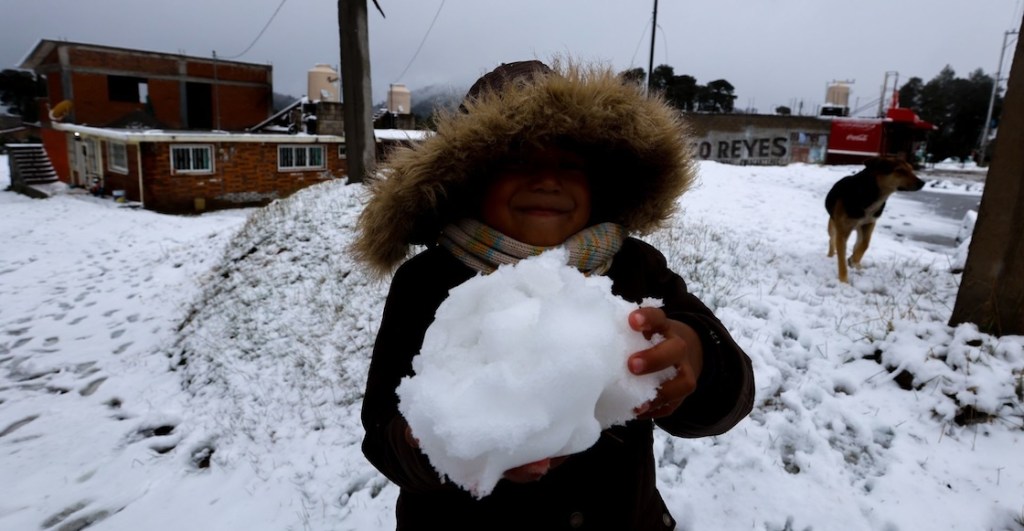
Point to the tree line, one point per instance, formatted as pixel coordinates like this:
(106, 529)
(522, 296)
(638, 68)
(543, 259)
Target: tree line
(958, 107)
(683, 92)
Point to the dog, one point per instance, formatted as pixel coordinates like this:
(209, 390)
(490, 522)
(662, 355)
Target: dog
(857, 201)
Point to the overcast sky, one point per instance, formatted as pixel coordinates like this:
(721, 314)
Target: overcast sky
(775, 52)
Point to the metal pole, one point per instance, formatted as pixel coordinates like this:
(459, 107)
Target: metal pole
(216, 94)
(983, 142)
(650, 60)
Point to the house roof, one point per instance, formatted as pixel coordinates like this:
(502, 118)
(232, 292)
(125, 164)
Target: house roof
(138, 136)
(45, 46)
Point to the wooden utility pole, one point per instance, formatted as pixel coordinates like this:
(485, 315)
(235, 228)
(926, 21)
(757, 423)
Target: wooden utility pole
(355, 89)
(650, 58)
(991, 293)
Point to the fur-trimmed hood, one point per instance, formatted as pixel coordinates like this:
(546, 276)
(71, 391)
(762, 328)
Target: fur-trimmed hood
(645, 162)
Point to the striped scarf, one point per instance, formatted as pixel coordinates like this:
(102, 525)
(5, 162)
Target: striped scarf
(484, 249)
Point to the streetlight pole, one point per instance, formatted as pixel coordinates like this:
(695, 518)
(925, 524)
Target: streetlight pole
(650, 58)
(983, 142)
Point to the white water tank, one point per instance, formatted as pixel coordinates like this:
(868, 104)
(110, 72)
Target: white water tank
(399, 99)
(323, 83)
(838, 94)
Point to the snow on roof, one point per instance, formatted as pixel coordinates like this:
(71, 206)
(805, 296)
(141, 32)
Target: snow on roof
(135, 136)
(410, 135)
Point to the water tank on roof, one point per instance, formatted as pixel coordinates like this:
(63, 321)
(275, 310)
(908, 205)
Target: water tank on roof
(838, 94)
(323, 83)
(399, 99)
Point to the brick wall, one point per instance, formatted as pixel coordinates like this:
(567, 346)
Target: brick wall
(245, 174)
(92, 103)
(241, 107)
(244, 93)
(129, 182)
(124, 60)
(165, 97)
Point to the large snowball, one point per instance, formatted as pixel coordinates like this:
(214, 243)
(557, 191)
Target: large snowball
(523, 364)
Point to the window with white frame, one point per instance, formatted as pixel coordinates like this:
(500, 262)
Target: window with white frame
(300, 158)
(117, 157)
(192, 159)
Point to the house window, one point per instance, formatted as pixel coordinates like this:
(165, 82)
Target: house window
(192, 159)
(117, 157)
(342, 153)
(300, 157)
(128, 89)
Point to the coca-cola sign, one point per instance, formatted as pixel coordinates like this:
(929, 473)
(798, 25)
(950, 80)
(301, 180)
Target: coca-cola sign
(855, 137)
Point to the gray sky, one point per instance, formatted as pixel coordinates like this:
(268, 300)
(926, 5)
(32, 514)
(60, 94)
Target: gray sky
(775, 52)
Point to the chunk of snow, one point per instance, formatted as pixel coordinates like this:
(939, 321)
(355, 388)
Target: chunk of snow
(523, 364)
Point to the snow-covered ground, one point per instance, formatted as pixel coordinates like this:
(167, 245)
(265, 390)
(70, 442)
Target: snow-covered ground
(166, 373)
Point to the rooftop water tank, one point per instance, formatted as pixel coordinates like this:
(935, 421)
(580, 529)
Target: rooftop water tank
(323, 83)
(838, 94)
(399, 99)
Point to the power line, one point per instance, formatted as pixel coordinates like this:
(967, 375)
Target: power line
(664, 42)
(424, 40)
(643, 34)
(265, 26)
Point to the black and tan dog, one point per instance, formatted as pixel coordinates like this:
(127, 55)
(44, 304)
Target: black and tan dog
(857, 201)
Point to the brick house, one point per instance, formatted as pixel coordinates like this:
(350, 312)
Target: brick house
(104, 85)
(169, 131)
(192, 171)
(182, 134)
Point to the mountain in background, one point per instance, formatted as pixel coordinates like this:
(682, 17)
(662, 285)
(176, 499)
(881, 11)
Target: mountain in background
(280, 101)
(426, 99)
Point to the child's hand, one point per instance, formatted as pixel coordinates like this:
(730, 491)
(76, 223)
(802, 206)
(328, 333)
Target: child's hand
(680, 349)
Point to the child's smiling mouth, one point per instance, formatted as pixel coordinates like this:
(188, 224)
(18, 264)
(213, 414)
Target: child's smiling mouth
(545, 207)
(543, 211)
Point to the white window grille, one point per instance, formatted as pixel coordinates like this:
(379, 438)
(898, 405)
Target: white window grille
(192, 159)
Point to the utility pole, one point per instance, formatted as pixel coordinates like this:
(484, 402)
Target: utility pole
(650, 58)
(355, 88)
(983, 142)
(991, 292)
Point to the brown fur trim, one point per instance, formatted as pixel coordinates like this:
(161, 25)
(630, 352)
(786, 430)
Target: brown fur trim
(642, 141)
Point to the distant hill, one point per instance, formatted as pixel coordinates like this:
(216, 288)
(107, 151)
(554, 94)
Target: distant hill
(281, 101)
(426, 99)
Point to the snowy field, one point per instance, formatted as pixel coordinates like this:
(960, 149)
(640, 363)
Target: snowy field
(205, 372)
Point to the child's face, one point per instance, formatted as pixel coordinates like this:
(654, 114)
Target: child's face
(541, 198)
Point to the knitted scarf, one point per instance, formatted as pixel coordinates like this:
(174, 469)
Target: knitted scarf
(482, 248)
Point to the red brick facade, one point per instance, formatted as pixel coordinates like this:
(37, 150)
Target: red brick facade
(227, 95)
(182, 100)
(244, 174)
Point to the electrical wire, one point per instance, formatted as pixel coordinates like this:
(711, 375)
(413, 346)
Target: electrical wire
(265, 26)
(664, 42)
(422, 41)
(632, 60)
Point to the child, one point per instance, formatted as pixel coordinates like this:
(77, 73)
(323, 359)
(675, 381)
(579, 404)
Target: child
(539, 158)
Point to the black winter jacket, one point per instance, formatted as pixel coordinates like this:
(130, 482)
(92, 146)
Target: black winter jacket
(609, 486)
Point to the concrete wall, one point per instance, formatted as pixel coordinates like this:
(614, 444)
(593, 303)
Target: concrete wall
(746, 139)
